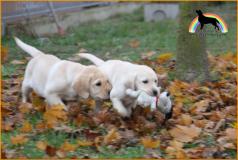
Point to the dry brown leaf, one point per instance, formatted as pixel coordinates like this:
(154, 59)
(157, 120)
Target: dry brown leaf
(185, 133)
(61, 154)
(112, 136)
(134, 43)
(176, 144)
(19, 139)
(41, 145)
(25, 107)
(38, 103)
(150, 143)
(4, 53)
(7, 126)
(148, 54)
(84, 143)
(185, 119)
(51, 151)
(200, 106)
(18, 62)
(26, 127)
(231, 133)
(164, 57)
(68, 147)
(229, 146)
(40, 126)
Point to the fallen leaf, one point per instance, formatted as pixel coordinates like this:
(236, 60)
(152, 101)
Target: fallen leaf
(185, 133)
(200, 106)
(38, 103)
(112, 136)
(148, 54)
(41, 145)
(19, 139)
(231, 133)
(150, 143)
(51, 151)
(25, 107)
(164, 57)
(176, 144)
(40, 126)
(7, 126)
(26, 127)
(134, 43)
(68, 147)
(185, 119)
(17, 62)
(4, 53)
(53, 115)
(84, 143)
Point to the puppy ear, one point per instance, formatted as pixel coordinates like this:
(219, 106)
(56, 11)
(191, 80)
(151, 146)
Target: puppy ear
(131, 83)
(81, 85)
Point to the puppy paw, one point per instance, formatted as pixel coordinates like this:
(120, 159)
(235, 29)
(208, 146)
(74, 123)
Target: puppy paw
(123, 112)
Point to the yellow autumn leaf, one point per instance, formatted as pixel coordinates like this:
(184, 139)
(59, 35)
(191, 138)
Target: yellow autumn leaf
(164, 57)
(37, 102)
(41, 145)
(84, 143)
(19, 139)
(68, 147)
(150, 143)
(26, 127)
(186, 119)
(54, 115)
(112, 135)
(25, 107)
(234, 125)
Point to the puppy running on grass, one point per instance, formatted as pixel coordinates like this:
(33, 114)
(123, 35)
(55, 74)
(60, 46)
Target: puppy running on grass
(56, 79)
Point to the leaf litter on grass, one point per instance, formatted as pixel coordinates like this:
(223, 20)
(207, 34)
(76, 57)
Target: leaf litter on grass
(203, 124)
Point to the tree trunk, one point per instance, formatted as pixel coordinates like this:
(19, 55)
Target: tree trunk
(191, 56)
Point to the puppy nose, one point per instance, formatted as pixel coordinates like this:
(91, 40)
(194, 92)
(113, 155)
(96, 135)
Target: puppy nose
(155, 92)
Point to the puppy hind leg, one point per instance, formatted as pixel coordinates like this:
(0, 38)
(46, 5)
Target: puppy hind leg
(26, 89)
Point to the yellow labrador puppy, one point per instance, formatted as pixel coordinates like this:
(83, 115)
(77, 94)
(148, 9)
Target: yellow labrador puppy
(56, 79)
(125, 75)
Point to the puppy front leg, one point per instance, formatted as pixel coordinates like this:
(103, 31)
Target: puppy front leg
(54, 99)
(117, 104)
(98, 106)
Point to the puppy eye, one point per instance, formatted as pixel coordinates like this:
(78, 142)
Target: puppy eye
(98, 84)
(145, 81)
(155, 81)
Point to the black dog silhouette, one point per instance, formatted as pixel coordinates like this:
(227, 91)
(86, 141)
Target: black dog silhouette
(206, 20)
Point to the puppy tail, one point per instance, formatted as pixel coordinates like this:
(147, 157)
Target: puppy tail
(27, 48)
(97, 61)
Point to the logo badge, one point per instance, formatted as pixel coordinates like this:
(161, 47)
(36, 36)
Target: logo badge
(207, 18)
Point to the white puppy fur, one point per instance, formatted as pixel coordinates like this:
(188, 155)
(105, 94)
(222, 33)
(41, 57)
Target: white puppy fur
(125, 75)
(56, 79)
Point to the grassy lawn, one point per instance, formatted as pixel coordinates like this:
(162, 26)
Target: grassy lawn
(111, 38)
